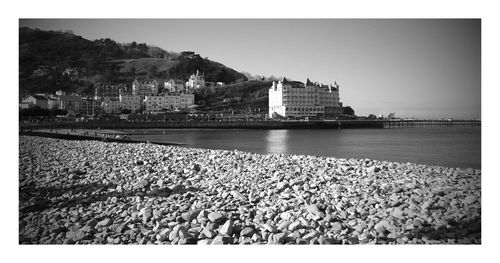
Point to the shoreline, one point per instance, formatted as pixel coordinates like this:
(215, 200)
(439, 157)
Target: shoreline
(77, 134)
(65, 134)
(89, 192)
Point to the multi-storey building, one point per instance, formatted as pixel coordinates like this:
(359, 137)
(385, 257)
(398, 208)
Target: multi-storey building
(195, 81)
(111, 105)
(145, 88)
(174, 86)
(109, 90)
(131, 102)
(34, 101)
(87, 106)
(172, 102)
(168, 102)
(70, 103)
(186, 100)
(293, 98)
(154, 104)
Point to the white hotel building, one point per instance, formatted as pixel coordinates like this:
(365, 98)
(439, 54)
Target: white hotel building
(293, 98)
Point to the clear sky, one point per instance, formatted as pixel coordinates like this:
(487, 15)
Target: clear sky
(416, 68)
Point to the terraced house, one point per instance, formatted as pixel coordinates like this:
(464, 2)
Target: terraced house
(144, 88)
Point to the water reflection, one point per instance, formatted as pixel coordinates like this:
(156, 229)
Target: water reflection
(277, 141)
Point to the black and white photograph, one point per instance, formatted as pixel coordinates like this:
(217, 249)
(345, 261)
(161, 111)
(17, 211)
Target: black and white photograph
(260, 131)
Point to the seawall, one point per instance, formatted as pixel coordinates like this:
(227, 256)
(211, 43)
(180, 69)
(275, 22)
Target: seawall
(344, 124)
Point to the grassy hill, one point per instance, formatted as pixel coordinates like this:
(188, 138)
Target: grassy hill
(104, 60)
(242, 96)
(143, 66)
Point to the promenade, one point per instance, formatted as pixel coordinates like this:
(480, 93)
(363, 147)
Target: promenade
(327, 124)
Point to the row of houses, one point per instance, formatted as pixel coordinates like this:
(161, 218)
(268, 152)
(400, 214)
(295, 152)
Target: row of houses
(114, 98)
(73, 103)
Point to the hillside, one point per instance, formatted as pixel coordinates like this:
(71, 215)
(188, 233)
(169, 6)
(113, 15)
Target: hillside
(103, 60)
(242, 96)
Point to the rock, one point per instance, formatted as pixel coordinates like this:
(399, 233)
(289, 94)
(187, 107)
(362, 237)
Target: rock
(177, 232)
(247, 232)
(313, 209)
(92, 223)
(382, 226)
(204, 242)
(270, 228)
(337, 226)
(139, 162)
(209, 230)
(470, 199)
(397, 213)
(294, 226)
(372, 169)
(227, 228)
(220, 240)
(141, 184)
(76, 235)
(216, 217)
(238, 195)
(104, 223)
(284, 225)
(285, 215)
(281, 185)
(278, 238)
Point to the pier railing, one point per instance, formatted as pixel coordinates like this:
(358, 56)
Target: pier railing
(430, 123)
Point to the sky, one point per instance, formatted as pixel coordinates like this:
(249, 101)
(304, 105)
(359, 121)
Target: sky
(423, 68)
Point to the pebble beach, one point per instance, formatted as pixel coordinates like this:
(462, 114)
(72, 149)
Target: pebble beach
(92, 192)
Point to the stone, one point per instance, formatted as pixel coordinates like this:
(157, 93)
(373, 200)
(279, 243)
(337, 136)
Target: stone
(196, 167)
(76, 235)
(141, 184)
(284, 225)
(397, 212)
(209, 231)
(336, 226)
(92, 223)
(204, 242)
(285, 215)
(104, 223)
(227, 228)
(313, 209)
(269, 227)
(177, 232)
(238, 195)
(221, 240)
(470, 199)
(247, 232)
(294, 226)
(215, 217)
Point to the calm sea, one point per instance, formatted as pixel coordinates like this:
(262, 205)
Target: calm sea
(449, 146)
